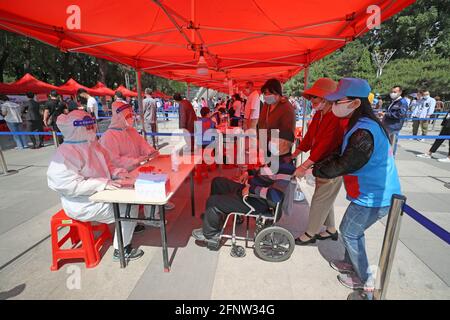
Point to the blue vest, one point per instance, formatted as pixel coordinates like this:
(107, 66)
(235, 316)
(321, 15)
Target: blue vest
(374, 184)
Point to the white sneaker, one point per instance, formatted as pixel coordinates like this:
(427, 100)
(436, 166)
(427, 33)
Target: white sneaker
(424, 155)
(446, 160)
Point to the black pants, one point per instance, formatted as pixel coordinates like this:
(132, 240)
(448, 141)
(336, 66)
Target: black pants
(154, 138)
(35, 126)
(56, 129)
(225, 197)
(437, 143)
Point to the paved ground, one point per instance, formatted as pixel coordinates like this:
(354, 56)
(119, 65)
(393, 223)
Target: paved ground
(420, 269)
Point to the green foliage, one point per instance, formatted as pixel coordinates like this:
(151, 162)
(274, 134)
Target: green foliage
(19, 55)
(431, 73)
(421, 36)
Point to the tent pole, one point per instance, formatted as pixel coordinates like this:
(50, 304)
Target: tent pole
(141, 107)
(305, 84)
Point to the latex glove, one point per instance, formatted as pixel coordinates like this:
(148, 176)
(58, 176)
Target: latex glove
(123, 175)
(142, 159)
(113, 185)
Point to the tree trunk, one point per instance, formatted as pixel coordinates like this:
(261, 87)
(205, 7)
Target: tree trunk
(103, 70)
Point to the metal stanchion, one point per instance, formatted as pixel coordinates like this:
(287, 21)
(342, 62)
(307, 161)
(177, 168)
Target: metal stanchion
(4, 167)
(55, 139)
(389, 246)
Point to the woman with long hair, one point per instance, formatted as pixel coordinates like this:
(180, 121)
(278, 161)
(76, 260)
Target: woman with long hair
(367, 165)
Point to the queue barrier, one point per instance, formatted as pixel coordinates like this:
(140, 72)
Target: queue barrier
(427, 223)
(397, 209)
(50, 133)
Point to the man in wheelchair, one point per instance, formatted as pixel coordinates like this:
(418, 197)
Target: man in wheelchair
(264, 188)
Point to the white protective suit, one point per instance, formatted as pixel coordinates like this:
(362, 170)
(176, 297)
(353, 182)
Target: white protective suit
(126, 147)
(81, 167)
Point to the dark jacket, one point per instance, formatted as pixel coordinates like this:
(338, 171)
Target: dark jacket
(356, 155)
(395, 115)
(31, 111)
(281, 117)
(446, 122)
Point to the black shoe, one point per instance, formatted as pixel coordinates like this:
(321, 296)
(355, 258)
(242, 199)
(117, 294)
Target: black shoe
(198, 235)
(333, 236)
(139, 229)
(130, 253)
(312, 239)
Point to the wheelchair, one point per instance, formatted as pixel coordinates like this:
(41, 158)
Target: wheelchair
(271, 243)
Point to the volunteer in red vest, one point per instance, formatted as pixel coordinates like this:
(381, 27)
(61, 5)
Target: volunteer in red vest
(367, 164)
(324, 136)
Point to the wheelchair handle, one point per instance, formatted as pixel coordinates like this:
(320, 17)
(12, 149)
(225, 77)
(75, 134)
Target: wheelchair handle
(248, 204)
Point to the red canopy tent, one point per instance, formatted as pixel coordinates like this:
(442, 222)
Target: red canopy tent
(159, 94)
(26, 84)
(71, 87)
(4, 88)
(126, 92)
(240, 40)
(104, 90)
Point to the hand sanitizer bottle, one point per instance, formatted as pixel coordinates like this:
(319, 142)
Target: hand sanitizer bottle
(175, 160)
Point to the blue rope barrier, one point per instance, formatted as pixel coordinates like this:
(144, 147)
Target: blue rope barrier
(28, 133)
(427, 223)
(424, 137)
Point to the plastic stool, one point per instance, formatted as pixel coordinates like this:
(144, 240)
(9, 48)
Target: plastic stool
(79, 231)
(201, 171)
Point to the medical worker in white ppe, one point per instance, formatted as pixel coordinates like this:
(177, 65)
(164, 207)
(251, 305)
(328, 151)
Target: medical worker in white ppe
(126, 147)
(80, 168)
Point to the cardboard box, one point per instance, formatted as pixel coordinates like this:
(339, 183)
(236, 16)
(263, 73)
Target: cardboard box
(152, 186)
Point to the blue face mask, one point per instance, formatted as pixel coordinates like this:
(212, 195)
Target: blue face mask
(270, 99)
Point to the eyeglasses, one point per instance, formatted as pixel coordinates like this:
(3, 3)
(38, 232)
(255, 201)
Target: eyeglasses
(343, 101)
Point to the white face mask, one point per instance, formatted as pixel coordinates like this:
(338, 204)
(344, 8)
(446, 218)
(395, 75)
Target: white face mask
(341, 110)
(270, 99)
(273, 148)
(426, 96)
(394, 95)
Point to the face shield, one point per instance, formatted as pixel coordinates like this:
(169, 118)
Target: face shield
(122, 116)
(77, 127)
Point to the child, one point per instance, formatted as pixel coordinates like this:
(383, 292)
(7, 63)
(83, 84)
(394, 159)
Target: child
(206, 123)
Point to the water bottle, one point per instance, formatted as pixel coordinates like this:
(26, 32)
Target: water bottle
(298, 194)
(175, 160)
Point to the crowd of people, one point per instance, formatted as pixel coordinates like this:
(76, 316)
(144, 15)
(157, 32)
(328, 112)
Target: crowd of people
(347, 144)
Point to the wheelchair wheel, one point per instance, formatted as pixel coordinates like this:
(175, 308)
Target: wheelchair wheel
(237, 252)
(274, 244)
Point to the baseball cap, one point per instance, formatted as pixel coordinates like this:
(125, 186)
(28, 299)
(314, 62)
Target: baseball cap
(321, 88)
(350, 87)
